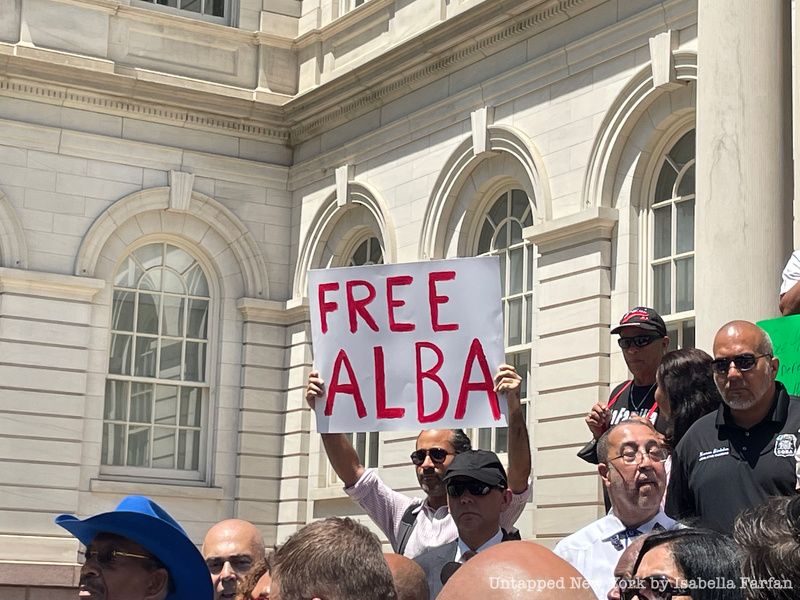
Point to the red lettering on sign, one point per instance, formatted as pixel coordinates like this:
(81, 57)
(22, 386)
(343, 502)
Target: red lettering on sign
(392, 302)
(326, 307)
(381, 410)
(435, 299)
(476, 353)
(430, 374)
(359, 305)
(338, 387)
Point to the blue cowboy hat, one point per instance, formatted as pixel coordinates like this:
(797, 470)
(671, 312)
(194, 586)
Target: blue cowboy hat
(141, 520)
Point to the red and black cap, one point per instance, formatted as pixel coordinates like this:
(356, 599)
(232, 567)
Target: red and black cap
(643, 318)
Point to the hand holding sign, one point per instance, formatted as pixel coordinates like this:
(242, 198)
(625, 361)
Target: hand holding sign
(408, 346)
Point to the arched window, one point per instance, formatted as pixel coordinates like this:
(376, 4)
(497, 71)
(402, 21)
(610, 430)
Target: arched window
(368, 252)
(672, 242)
(156, 395)
(501, 235)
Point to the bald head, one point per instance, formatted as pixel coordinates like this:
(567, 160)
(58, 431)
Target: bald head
(745, 331)
(231, 548)
(500, 572)
(409, 578)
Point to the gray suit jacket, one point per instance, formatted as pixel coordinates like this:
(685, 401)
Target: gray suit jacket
(432, 561)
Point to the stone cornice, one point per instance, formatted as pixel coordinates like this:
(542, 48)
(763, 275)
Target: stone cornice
(50, 285)
(272, 312)
(590, 224)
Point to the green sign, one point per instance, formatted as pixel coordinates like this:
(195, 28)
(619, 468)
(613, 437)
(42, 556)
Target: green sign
(785, 334)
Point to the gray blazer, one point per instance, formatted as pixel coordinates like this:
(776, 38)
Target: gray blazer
(432, 561)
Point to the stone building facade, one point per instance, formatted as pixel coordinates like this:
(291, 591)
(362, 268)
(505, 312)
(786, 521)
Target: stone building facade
(170, 171)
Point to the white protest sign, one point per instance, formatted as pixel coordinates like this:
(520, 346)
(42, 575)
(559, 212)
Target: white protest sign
(408, 346)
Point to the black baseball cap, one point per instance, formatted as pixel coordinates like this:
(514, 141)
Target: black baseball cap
(643, 318)
(481, 465)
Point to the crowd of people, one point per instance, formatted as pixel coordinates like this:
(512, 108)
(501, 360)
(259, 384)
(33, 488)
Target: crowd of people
(697, 459)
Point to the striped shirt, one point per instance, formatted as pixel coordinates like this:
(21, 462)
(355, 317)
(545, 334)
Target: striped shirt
(434, 527)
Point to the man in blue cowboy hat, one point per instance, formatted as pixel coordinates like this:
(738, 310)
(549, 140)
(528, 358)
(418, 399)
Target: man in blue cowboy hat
(138, 552)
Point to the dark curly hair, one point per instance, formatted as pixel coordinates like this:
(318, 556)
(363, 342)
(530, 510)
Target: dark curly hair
(686, 377)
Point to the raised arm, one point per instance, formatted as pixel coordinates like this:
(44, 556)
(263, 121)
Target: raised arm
(508, 381)
(341, 454)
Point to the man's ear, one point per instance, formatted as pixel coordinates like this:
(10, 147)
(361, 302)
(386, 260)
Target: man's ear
(775, 363)
(603, 470)
(157, 585)
(507, 497)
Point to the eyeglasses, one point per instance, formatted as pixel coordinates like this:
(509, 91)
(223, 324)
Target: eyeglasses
(240, 564)
(630, 456)
(657, 587)
(742, 362)
(437, 455)
(640, 341)
(108, 557)
(476, 488)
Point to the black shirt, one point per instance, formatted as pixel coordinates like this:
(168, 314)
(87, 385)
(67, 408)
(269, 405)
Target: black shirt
(720, 469)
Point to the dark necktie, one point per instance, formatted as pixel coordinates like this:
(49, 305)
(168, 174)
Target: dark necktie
(467, 555)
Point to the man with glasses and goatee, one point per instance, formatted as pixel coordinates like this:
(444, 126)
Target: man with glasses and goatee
(413, 525)
(138, 552)
(744, 452)
(644, 341)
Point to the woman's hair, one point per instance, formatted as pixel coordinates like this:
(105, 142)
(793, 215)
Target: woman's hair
(249, 581)
(703, 557)
(685, 376)
(769, 538)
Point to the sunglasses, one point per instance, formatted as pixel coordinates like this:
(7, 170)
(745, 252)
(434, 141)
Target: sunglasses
(657, 587)
(437, 455)
(640, 341)
(108, 557)
(476, 488)
(742, 362)
(240, 564)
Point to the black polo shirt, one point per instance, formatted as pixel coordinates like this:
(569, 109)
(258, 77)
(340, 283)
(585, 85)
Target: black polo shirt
(720, 469)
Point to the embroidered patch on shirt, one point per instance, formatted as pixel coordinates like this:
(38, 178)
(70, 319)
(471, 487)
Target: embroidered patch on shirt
(715, 453)
(785, 444)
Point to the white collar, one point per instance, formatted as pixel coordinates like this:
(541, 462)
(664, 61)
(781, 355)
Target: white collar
(611, 526)
(462, 548)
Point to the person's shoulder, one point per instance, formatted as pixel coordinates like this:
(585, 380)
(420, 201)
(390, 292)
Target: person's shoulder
(436, 553)
(585, 537)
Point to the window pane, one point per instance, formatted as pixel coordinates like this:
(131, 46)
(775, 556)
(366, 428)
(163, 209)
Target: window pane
(373, 449)
(188, 450)
(147, 315)
(514, 321)
(191, 407)
(166, 404)
(164, 447)
(178, 259)
(119, 357)
(170, 367)
(113, 444)
(128, 274)
(172, 282)
(521, 362)
(528, 319)
(145, 359)
(501, 439)
(529, 261)
(672, 332)
(149, 256)
(519, 204)
(116, 404)
(686, 185)
(501, 240)
(198, 319)
(503, 274)
(122, 310)
(683, 151)
(172, 316)
(361, 446)
(195, 361)
(515, 232)
(661, 289)
(666, 181)
(141, 403)
(685, 226)
(485, 242)
(375, 252)
(688, 335)
(360, 255)
(515, 270)
(196, 282)
(499, 211)
(684, 281)
(151, 281)
(485, 438)
(138, 446)
(662, 235)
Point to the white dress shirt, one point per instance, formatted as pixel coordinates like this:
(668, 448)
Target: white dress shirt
(791, 272)
(595, 549)
(462, 548)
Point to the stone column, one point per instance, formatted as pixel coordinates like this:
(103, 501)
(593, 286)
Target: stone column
(744, 161)
(571, 358)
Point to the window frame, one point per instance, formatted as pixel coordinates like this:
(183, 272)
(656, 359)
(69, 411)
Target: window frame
(227, 20)
(208, 387)
(676, 321)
